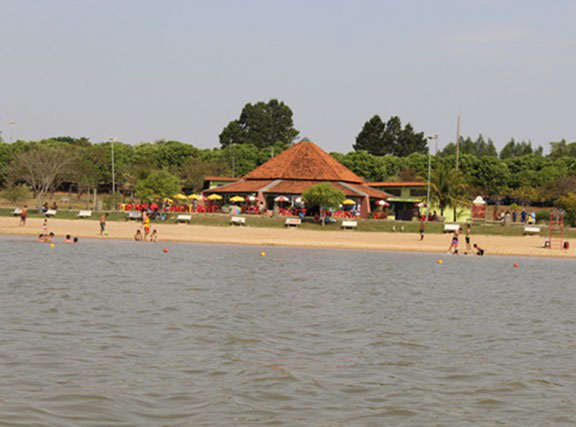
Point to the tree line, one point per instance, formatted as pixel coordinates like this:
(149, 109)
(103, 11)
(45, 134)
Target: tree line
(383, 151)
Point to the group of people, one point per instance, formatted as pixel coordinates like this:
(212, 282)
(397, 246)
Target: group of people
(525, 217)
(145, 235)
(48, 237)
(455, 240)
(45, 208)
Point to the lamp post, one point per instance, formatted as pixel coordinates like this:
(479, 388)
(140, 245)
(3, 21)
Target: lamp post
(429, 137)
(112, 141)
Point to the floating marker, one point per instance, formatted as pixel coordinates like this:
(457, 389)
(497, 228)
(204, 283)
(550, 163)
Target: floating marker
(51, 245)
(262, 253)
(439, 261)
(516, 265)
(166, 250)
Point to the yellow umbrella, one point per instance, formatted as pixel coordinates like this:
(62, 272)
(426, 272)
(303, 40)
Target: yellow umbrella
(214, 197)
(348, 202)
(180, 196)
(194, 197)
(168, 200)
(237, 199)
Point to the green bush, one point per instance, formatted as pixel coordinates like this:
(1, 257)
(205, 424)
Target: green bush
(16, 193)
(568, 203)
(542, 216)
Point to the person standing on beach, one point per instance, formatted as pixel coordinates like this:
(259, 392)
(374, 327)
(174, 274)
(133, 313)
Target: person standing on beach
(468, 235)
(454, 244)
(23, 216)
(146, 221)
(422, 227)
(103, 223)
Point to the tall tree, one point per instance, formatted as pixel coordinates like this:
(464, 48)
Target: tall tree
(449, 187)
(42, 168)
(371, 138)
(262, 124)
(379, 138)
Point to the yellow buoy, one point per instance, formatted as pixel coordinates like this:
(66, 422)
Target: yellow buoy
(439, 261)
(51, 245)
(262, 253)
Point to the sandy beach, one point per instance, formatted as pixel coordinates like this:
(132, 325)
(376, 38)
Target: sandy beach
(494, 245)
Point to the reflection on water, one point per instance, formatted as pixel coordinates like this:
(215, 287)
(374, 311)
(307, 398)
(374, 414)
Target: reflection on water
(120, 333)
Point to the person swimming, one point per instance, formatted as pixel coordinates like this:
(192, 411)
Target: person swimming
(478, 249)
(68, 239)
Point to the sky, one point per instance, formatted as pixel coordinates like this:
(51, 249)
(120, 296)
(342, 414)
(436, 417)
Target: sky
(143, 70)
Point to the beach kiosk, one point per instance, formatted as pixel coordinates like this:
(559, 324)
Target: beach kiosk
(478, 210)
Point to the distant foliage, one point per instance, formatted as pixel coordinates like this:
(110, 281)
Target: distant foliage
(379, 138)
(261, 124)
(568, 203)
(16, 193)
(158, 185)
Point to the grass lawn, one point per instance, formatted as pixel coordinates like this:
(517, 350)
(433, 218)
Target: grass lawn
(223, 220)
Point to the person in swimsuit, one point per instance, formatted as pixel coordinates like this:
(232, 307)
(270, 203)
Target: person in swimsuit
(146, 221)
(154, 236)
(422, 227)
(468, 233)
(454, 244)
(479, 250)
(23, 215)
(103, 223)
(138, 236)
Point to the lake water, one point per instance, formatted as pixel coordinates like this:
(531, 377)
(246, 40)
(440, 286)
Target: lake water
(122, 334)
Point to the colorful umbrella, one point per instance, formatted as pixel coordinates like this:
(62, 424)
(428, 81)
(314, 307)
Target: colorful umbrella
(382, 203)
(348, 202)
(281, 199)
(252, 198)
(299, 200)
(180, 196)
(214, 197)
(167, 200)
(236, 199)
(194, 197)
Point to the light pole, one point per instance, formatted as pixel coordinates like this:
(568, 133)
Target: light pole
(112, 141)
(12, 132)
(429, 171)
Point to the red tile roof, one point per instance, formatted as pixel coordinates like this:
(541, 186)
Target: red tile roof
(396, 184)
(304, 161)
(220, 178)
(241, 186)
(294, 187)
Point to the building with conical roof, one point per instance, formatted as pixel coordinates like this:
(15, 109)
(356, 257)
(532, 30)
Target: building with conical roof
(291, 172)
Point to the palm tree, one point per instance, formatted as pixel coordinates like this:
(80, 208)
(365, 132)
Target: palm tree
(449, 187)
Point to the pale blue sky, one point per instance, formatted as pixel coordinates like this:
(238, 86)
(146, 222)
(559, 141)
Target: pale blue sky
(182, 69)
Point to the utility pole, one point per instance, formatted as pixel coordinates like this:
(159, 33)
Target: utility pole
(233, 161)
(429, 137)
(457, 140)
(12, 132)
(455, 212)
(112, 141)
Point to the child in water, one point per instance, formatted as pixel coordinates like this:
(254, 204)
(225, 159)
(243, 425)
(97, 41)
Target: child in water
(138, 236)
(154, 236)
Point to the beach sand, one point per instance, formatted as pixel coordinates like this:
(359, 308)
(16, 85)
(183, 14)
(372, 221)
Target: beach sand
(494, 245)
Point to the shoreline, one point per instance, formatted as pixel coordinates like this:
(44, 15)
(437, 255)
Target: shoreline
(293, 237)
